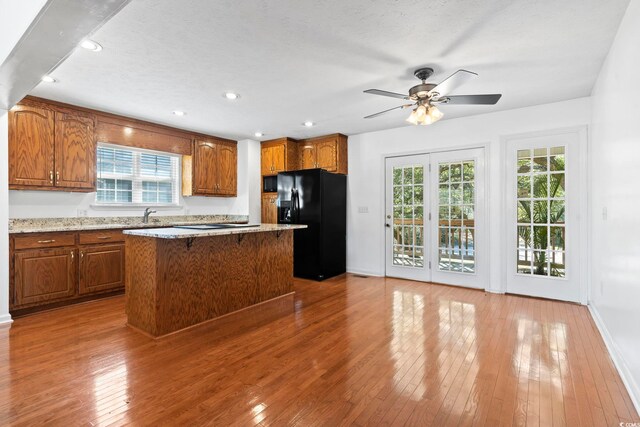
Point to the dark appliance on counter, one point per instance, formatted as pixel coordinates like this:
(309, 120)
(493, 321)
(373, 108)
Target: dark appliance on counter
(270, 184)
(318, 199)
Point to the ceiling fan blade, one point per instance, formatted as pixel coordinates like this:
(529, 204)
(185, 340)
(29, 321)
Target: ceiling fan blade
(386, 93)
(401, 107)
(489, 99)
(452, 82)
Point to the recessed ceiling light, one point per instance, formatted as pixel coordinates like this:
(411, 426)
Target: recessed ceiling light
(48, 79)
(179, 113)
(308, 123)
(231, 95)
(91, 45)
(259, 134)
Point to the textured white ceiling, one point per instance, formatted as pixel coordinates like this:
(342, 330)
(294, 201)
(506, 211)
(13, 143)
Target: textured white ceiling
(297, 60)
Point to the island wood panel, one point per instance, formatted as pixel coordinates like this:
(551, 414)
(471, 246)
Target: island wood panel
(171, 287)
(31, 146)
(75, 151)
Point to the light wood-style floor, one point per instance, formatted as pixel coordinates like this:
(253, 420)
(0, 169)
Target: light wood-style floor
(357, 351)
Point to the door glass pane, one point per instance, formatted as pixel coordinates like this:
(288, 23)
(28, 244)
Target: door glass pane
(540, 198)
(456, 211)
(408, 213)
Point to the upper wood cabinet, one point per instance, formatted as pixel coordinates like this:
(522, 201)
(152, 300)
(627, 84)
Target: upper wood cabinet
(278, 155)
(75, 151)
(51, 149)
(213, 169)
(326, 152)
(31, 146)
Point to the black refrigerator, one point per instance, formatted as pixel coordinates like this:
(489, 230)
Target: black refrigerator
(318, 199)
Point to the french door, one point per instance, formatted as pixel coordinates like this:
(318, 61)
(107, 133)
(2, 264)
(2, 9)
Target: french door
(435, 217)
(543, 215)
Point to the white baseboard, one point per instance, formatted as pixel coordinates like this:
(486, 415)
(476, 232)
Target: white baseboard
(618, 359)
(5, 320)
(364, 272)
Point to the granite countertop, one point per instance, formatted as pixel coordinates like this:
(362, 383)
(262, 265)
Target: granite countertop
(185, 233)
(41, 225)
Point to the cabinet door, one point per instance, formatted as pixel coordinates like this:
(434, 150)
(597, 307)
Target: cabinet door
(31, 142)
(269, 208)
(43, 275)
(101, 268)
(279, 158)
(227, 166)
(75, 151)
(266, 161)
(204, 167)
(327, 155)
(308, 156)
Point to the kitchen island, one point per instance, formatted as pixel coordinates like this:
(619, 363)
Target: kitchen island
(177, 278)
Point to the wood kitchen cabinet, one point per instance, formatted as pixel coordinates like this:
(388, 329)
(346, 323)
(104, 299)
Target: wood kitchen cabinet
(44, 275)
(269, 208)
(278, 155)
(53, 269)
(326, 152)
(214, 168)
(75, 150)
(101, 268)
(50, 149)
(31, 147)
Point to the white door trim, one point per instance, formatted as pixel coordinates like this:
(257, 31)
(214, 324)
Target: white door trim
(583, 203)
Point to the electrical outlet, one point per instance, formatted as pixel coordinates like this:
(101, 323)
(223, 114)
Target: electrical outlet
(363, 209)
(82, 212)
(604, 213)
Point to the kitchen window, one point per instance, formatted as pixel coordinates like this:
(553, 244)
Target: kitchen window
(131, 176)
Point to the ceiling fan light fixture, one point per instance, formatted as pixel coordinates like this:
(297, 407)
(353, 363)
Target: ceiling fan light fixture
(413, 117)
(435, 114)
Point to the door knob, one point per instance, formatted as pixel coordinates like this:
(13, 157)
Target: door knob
(387, 225)
(388, 216)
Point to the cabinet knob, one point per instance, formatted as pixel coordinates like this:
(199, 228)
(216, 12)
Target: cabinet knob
(72, 255)
(81, 254)
(57, 175)
(51, 176)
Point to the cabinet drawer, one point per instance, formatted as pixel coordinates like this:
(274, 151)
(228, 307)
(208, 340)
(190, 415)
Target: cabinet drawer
(104, 236)
(45, 240)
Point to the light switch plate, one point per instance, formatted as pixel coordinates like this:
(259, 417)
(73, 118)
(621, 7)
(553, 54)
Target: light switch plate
(363, 209)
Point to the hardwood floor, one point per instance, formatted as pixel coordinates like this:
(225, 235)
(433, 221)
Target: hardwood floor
(356, 351)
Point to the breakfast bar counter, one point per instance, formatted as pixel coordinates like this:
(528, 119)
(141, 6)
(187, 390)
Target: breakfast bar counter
(178, 277)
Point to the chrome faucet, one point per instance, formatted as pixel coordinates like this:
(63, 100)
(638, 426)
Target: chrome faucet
(145, 217)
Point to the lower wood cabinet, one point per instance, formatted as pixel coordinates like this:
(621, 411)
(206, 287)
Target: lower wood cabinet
(44, 275)
(53, 269)
(269, 208)
(101, 268)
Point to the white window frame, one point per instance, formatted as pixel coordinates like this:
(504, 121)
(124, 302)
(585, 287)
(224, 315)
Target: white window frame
(137, 179)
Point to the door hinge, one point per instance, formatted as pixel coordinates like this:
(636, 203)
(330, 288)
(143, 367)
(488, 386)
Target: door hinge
(429, 265)
(429, 216)
(429, 167)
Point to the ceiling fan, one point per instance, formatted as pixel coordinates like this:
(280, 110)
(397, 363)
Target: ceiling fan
(426, 96)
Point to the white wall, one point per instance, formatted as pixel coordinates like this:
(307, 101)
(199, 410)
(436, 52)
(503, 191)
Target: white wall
(365, 236)
(615, 240)
(44, 204)
(255, 182)
(4, 219)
